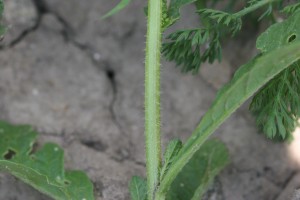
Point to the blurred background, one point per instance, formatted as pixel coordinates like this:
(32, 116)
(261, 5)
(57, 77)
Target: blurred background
(79, 80)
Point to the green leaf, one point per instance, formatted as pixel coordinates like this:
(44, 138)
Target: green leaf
(280, 34)
(222, 18)
(138, 188)
(171, 152)
(44, 169)
(246, 81)
(190, 48)
(291, 9)
(167, 21)
(276, 105)
(200, 171)
(117, 8)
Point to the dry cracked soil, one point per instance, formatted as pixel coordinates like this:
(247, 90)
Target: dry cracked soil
(79, 81)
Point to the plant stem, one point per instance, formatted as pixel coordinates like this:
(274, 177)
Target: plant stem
(255, 6)
(152, 96)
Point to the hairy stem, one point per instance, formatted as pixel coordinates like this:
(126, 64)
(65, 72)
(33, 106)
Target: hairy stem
(152, 96)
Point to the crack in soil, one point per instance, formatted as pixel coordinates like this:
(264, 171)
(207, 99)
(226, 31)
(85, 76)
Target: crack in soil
(255, 172)
(96, 145)
(41, 9)
(69, 35)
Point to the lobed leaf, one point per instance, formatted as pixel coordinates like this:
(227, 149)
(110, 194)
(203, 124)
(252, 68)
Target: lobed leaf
(44, 169)
(199, 172)
(138, 188)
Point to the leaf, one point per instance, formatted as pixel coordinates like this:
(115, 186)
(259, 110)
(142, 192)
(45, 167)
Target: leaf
(190, 48)
(280, 34)
(43, 170)
(246, 81)
(171, 152)
(276, 105)
(291, 9)
(199, 172)
(223, 18)
(166, 21)
(270, 6)
(138, 188)
(117, 8)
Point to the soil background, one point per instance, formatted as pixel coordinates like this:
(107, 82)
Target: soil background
(79, 81)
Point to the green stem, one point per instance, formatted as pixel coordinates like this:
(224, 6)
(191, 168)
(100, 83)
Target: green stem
(254, 7)
(152, 96)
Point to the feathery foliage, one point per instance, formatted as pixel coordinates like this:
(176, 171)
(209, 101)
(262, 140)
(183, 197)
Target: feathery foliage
(222, 18)
(185, 47)
(191, 48)
(277, 105)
